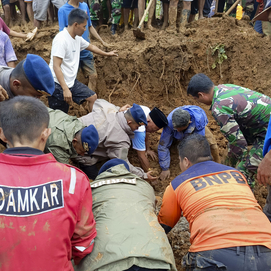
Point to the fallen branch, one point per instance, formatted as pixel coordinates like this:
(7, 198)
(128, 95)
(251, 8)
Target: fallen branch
(109, 97)
(162, 74)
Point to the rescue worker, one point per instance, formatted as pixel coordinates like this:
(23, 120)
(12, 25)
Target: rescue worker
(264, 173)
(156, 120)
(229, 231)
(65, 141)
(115, 130)
(31, 77)
(183, 121)
(129, 236)
(242, 115)
(45, 207)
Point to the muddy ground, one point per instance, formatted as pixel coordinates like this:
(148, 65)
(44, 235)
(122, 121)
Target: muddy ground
(156, 72)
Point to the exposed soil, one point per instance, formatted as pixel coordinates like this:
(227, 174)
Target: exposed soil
(156, 72)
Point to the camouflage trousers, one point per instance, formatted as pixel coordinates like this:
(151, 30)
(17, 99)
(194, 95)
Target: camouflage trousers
(250, 161)
(95, 8)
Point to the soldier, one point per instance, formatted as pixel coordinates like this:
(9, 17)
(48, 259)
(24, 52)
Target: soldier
(95, 7)
(31, 77)
(182, 122)
(69, 137)
(129, 236)
(228, 229)
(242, 115)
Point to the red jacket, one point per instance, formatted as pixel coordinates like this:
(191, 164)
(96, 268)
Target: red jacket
(45, 212)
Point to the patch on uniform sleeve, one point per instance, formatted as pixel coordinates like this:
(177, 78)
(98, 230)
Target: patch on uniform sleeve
(32, 200)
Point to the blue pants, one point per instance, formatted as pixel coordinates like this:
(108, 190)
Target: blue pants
(248, 258)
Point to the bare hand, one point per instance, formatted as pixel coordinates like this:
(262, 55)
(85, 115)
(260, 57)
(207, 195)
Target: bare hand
(152, 154)
(112, 53)
(264, 173)
(67, 95)
(30, 36)
(165, 174)
(151, 179)
(3, 94)
(125, 107)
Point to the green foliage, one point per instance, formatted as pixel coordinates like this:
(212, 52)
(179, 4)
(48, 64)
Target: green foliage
(221, 54)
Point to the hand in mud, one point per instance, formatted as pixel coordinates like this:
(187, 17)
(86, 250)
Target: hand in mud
(3, 94)
(30, 36)
(151, 179)
(152, 154)
(263, 172)
(125, 107)
(165, 174)
(113, 53)
(67, 95)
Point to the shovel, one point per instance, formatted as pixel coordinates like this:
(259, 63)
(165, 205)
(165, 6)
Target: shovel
(137, 32)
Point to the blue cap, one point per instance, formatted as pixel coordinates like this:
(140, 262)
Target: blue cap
(112, 163)
(39, 74)
(138, 115)
(268, 4)
(90, 139)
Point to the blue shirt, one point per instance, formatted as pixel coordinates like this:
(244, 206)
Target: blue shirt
(267, 140)
(198, 120)
(63, 14)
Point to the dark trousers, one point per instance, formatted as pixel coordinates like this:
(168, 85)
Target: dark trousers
(248, 258)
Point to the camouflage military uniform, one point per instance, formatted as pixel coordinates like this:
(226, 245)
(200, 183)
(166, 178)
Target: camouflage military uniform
(95, 8)
(243, 116)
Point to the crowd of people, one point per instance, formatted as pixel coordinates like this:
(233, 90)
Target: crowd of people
(71, 200)
(175, 14)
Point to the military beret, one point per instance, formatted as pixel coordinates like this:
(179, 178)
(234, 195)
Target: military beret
(90, 139)
(39, 74)
(112, 163)
(158, 117)
(138, 115)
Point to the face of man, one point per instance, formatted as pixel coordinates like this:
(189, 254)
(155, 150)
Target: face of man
(133, 125)
(151, 127)
(181, 129)
(80, 28)
(78, 147)
(25, 89)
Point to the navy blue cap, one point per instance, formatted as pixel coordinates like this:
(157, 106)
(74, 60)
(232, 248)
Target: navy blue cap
(112, 163)
(39, 74)
(90, 139)
(138, 115)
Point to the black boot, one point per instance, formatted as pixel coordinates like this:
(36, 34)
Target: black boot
(113, 29)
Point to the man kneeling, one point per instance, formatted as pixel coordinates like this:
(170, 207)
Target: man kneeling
(129, 236)
(229, 231)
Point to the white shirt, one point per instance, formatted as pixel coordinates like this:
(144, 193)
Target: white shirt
(67, 48)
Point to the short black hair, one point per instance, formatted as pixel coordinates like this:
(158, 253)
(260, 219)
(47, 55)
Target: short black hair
(199, 83)
(195, 148)
(23, 118)
(77, 15)
(180, 118)
(19, 74)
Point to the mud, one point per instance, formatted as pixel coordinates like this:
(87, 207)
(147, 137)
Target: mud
(156, 72)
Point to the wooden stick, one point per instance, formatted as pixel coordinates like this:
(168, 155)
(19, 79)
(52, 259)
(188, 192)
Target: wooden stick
(232, 7)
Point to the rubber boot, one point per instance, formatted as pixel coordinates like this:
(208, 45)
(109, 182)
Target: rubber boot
(172, 16)
(113, 29)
